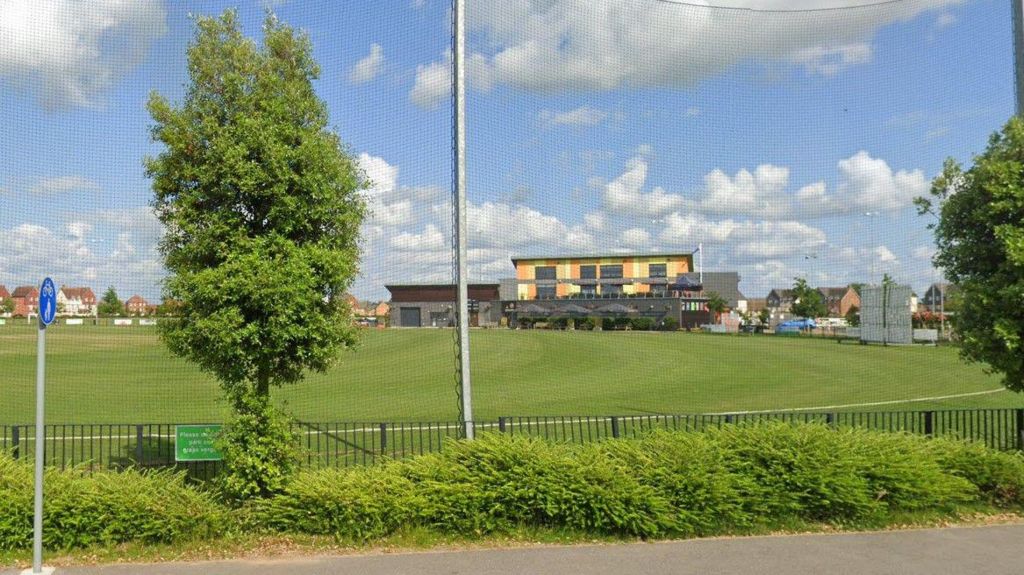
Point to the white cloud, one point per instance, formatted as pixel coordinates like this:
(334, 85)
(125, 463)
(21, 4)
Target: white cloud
(67, 53)
(869, 183)
(63, 184)
(575, 45)
(944, 20)
(369, 67)
(382, 175)
(637, 238)
(885, 255)
(748, 238)
(112, 247)
(625, 193)
(430, 239)
(595, 220)
(582, 116)
(829, 61)
(501, 225)
(923, 252)
(747, 193)
(433, 83)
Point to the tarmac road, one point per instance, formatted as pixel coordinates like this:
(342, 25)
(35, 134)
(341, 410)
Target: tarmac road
(994, 550)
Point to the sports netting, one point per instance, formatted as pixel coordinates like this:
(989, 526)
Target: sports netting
(644, 178)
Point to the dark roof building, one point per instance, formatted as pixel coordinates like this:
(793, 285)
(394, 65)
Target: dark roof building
(725, 284)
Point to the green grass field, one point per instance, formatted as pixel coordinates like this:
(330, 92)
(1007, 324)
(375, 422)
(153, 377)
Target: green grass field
(125, 375)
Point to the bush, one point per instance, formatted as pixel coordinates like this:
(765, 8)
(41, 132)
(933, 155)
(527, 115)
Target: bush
(586, 323)
(669, 324)
(730, 480)
(999, 476)
(259, 450)
(105, 508)
(641, 323)
(497, 482)
(359, 504)
(813, 472)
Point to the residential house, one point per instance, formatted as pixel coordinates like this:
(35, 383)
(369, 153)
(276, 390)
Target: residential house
(76, 301)
(382, 309)
(4, 296)
(756, 304)
(938, 297)
(136, 305)
(839, 300)
(26, 300)
(779, 300)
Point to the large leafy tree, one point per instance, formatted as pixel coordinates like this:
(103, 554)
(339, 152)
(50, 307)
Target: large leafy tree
(807, 301)
(110, 304)
(979, 233)
(262, 205)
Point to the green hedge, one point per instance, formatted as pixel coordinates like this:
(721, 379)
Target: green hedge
(735, 479)
(105, 508)
(722, 481)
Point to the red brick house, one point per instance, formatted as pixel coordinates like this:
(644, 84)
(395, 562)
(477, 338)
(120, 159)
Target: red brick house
(839, 300)
(136, 305)
(26, 300)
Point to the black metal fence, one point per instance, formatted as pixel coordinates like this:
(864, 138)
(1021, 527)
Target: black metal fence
(118, 446)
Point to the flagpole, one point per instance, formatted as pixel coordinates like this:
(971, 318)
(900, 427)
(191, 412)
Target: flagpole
(700, 264)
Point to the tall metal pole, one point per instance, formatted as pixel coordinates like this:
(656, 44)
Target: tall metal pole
(700, 265)
(37, 520)
(459, 63)
(1018, 52)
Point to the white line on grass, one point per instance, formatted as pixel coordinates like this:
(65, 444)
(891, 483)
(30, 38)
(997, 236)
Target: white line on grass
(871, 404)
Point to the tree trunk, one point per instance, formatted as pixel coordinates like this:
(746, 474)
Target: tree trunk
(263, 384)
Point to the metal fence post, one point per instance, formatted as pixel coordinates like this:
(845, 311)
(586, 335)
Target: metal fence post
(830, 419)
(501, 424)
(16, 441)
(383, 438)
(929, 423)
(728, 418)
(138, 445)
(615, 427)
(1020, 429)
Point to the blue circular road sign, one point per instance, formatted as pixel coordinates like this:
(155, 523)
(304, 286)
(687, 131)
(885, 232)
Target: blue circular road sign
(47, 302)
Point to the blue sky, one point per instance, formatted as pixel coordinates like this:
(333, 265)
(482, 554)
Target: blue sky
(593, 126)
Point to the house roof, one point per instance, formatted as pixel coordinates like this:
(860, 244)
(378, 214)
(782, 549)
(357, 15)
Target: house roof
(784, 293)
(725, 284)
(136, 299)
(81, 293)
(605, 256)
(834, 292)
(25, 291)
(4, 293)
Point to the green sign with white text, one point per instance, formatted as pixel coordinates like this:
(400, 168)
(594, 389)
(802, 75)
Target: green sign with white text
(195, 443)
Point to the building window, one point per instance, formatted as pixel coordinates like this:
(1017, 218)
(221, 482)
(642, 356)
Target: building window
(658, 270)
(611, 289)
(588, 272)
(544, 273)
(611, 272)
(588, 290)
(658, 290)
(546, 292)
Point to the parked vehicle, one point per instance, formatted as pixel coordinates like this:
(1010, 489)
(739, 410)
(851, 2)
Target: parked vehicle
(796, 326)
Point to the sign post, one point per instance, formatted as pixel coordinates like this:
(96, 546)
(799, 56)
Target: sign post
(47, 311)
